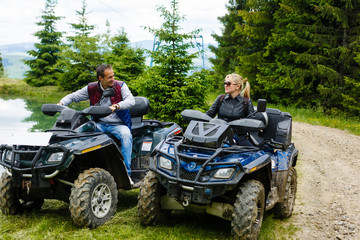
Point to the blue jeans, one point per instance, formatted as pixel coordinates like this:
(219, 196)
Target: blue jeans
(122, 132)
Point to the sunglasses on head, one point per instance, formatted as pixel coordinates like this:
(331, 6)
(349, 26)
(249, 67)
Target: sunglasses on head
(228, 83)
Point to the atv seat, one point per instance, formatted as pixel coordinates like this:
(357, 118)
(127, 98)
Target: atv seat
(141, 108)
(279, 127)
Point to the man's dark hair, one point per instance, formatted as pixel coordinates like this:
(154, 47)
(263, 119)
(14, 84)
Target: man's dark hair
(100, 70)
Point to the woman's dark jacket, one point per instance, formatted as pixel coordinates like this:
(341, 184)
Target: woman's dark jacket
(231, 109)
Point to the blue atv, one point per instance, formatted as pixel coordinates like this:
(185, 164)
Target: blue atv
(205, 170)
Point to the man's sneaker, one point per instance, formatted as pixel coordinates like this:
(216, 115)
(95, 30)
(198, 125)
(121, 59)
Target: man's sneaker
(131, 181)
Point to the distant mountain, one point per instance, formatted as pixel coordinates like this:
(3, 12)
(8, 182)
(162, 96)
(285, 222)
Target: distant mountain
(146, 44)
(13, 56)
(16, 49)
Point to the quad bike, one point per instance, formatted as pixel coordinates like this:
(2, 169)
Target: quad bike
(205, 170)
(76, 163)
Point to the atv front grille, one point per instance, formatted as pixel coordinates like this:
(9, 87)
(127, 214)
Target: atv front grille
(26, 153)
(187, 175)
(191, 175)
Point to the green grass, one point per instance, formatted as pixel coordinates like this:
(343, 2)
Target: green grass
(316, 117)
(10, 88)
(53, 221)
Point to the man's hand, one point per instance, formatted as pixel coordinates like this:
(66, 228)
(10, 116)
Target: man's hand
(60, 104)
(114, 107)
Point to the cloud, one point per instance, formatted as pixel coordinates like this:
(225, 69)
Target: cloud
(13, 118)
(18, 17)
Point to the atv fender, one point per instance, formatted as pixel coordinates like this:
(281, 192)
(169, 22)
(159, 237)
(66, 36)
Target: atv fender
(109, 158)
(260, 170)
(257, 164)
(294, 156)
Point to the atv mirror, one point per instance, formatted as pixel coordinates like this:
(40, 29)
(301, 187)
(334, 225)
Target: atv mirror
(51, 109)
(261, 106)
(109, 92)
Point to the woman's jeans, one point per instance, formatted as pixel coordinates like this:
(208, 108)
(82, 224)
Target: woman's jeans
(122, 132)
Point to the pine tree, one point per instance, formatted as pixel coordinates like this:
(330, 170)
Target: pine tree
(256, 26)
(229, 41)
(339, 88)
(168, 85)
(42, 71)
(247, 28)
(310, 56)
(81, 56)
(286, 76)
(128, 63)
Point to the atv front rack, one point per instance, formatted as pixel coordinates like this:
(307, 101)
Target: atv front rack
(194, 164)
(25, 160)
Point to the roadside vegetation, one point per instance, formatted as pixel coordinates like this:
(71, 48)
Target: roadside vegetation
(13, 88)
(54, 222)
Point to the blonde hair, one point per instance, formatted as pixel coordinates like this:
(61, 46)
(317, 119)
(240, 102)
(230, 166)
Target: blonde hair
(239, 80)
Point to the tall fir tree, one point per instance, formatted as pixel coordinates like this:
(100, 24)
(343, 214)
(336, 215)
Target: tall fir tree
(46, 55)
(247, 28)
(351, 95)
(339, 88)
(256, 26)
(81, 56)
(167, 84)
(226, 58)
(286, 76)
(310, 56)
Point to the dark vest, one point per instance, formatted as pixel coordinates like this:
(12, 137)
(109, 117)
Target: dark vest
(95, 94)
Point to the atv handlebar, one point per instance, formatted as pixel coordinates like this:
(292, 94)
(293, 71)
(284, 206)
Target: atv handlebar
(52, 109)
(97, 111)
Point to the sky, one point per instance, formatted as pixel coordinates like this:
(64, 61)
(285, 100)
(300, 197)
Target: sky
(18, 17)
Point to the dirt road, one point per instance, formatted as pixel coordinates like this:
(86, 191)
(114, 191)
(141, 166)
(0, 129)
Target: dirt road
(328, 198)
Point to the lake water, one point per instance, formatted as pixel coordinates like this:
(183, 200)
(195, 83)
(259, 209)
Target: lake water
(21, 116)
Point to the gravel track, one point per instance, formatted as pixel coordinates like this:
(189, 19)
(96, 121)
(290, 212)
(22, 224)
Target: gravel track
(328, 198)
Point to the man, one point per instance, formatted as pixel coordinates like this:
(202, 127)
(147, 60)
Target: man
(119, 122)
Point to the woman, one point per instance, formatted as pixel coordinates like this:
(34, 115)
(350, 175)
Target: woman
(233, 105)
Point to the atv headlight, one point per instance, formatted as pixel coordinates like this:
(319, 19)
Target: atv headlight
(165, 163)
(55, 157)
(224, 173)
(7, 155)
(167, 148)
